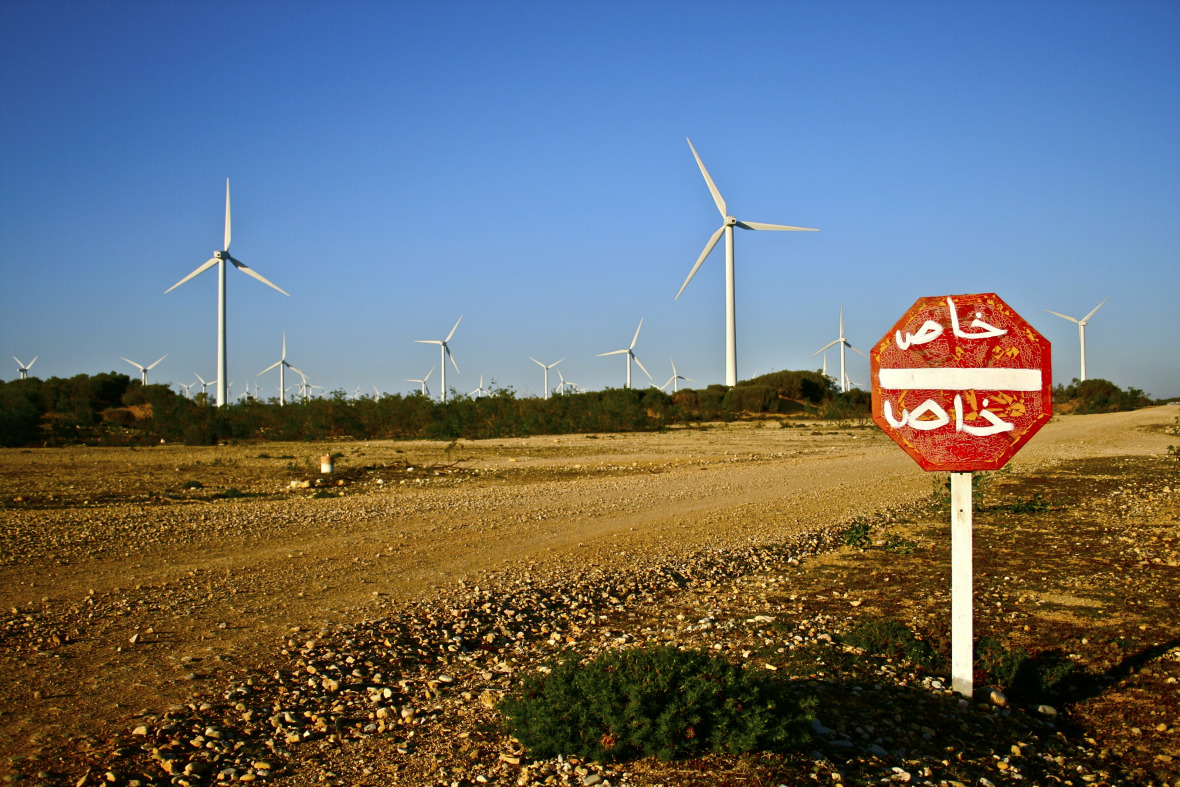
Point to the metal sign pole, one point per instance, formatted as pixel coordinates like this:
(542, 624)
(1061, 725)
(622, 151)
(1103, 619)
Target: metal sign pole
(961, 623)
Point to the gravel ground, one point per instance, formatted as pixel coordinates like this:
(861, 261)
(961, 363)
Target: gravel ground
(360, 632)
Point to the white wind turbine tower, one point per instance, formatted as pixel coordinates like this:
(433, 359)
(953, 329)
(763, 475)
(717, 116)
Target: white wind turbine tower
(22, 369)
(220, 258)
(422, 382)
(630, 351)
(675, 379)
(843, 343)
(728, 222)
(444, 353)
(546, 368)
(143, 370)
(1081, 330)
(283, 367)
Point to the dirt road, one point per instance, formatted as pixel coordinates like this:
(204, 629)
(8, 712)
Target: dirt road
(120, 588)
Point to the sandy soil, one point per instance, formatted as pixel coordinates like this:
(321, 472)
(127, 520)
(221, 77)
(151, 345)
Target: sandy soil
(120, 587)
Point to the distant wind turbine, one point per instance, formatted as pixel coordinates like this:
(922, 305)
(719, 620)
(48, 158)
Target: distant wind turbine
(188, 389)
(444, 354)
(1081, 330)
(675, 379)
(843, 343)
(728, 222)
(630, 352)
(219, 259)
(546, 368)
(422, 382)
(480, 391)
(283, 367)
(204, 384)
(143, 370)
(22, 369)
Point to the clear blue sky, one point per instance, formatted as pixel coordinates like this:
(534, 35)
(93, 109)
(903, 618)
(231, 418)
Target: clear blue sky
(395, 165)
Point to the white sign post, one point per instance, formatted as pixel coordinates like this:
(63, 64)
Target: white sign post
(962, 625)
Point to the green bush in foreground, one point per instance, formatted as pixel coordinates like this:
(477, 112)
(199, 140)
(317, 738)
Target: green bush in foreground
(657, 701)
(888, 638)
(1027, 678)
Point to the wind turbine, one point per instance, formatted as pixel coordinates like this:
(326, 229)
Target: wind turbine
(843, 343)
(188, 389)
(219, 259)
(546, 368)
(444, 353)
(630, 351)
(204, 384)
(143, 370)
(675, 379)
(728, 222)
(422, 382)
(1081, 331)
(283, 367)
(480, 391)
(22, 369)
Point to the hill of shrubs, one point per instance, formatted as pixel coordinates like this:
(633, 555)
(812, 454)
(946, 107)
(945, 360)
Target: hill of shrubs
(112, 408)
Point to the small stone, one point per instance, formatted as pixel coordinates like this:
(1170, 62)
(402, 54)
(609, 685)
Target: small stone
(510, 759)
(591, 779)
(997, 698)
(1046, 710)
(141, 730)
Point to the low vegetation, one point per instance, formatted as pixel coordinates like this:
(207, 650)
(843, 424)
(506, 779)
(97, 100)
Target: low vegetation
(112, 408)
(660, 701)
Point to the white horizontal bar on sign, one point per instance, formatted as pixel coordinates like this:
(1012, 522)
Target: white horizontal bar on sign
(953, 379)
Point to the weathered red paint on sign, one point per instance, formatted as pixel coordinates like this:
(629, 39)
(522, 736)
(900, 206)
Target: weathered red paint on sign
(961, 382)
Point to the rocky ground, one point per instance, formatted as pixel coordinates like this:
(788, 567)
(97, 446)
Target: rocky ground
(198, 616)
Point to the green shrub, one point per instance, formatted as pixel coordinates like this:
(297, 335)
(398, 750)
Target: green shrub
(657, 701)
(888, 638)
(898, 545)
(857, 535)
(1026, 677)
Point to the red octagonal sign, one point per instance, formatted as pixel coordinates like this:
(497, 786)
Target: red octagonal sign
(961, 382)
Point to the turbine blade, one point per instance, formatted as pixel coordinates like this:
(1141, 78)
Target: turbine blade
(614, 352)
(538, 363)
(30, 366)
(826, 346)
(451, 356)
(1064, 316)
(709, 181)
(206, 266)
(244, 268)
(1084, 319)
(708, 248)
(284, 345)
(133, 363)
(267, 369)
(757, 225)
(555, 363)
(226, 246)
(162, 357)
(427, 377)
(632, 347)
(452, 333)
(292, 368)
(642, 367)
(850, 347)
(427, 341)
